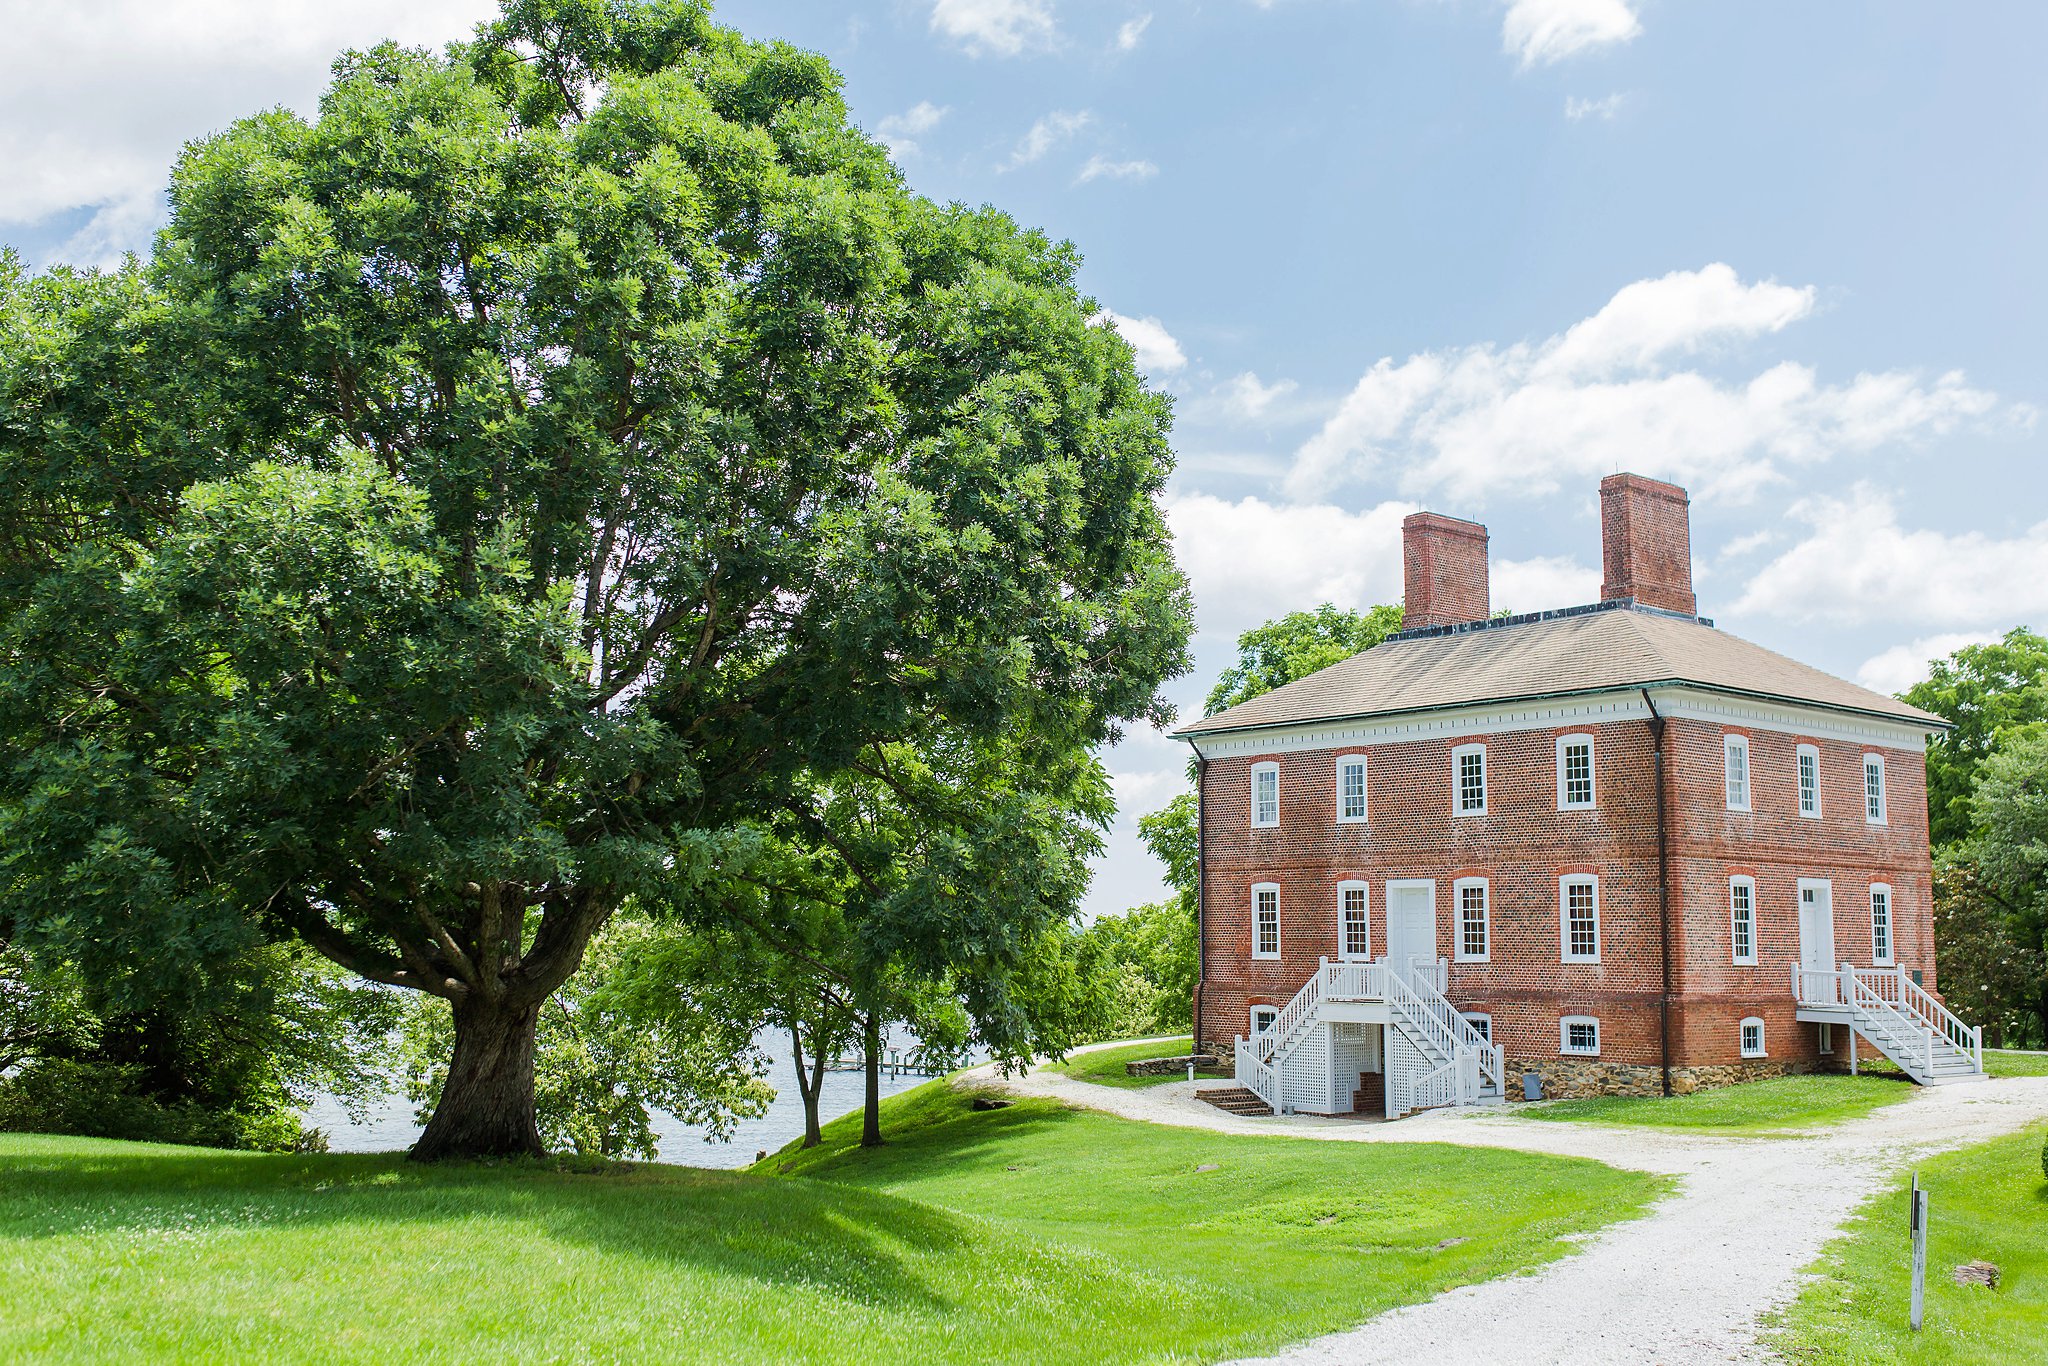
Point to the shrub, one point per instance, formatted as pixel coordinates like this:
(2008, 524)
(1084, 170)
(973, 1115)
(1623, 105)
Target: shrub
(103, 1100)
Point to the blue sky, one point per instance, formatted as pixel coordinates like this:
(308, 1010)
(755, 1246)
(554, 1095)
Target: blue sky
(1468, 255)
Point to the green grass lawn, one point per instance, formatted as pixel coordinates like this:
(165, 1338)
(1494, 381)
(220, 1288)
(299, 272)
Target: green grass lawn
(1997, 1063)
(1776, 1106)
(1105, 1066)
(1986, 1203)
(1031, 1233)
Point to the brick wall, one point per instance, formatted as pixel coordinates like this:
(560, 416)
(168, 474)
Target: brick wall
(1523, 844)
(1646, 542)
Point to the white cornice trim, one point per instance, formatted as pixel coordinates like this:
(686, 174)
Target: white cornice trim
(1592, 709)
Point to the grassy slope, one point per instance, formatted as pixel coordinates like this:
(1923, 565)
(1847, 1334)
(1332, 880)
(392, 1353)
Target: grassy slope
(1779, 1105)
(1987, 1203)
(1285, 1239)
(1105, 1066)
(1103, 1244)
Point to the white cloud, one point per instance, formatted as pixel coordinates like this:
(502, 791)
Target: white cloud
(1158, 352)
(1133, 29)
(1900, 667)
(1544, 31)
(1100, 167)
(901, 131)
(1578, 108)
(99, 98)
(1858, 565)
(1004, 27)
(1251, 560)
(1541, 584)
(1245, 397)
(1604, 395)
(1048, 133)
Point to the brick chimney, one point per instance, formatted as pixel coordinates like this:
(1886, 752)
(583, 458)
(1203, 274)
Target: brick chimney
(1646, 543)
(1443, 564)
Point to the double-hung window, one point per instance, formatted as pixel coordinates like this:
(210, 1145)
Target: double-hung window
(1474, 933)
(1265, 794)
(1579, 1035)
(1263, 1018)
(1873, 788)
(1468, 776)
(1351, 788)
(1880, 924)
(1735, 757)
(1575, 773)
(1579, 909)
(1809, 782)
(1354, 931)
(1266, 920)
(1742, 918)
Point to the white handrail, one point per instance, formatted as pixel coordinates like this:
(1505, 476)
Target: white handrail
(1445, 1030)
(1965, 1038)
(1255, 1076)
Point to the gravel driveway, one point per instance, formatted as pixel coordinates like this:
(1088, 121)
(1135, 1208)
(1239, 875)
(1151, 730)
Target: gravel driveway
(1687, 1282)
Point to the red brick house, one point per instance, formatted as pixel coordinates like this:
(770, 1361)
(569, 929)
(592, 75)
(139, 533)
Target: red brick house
(1610, 845)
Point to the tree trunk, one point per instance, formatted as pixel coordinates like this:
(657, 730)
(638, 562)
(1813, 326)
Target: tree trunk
(871, 1114)
(486, 1104)
(808, 1083)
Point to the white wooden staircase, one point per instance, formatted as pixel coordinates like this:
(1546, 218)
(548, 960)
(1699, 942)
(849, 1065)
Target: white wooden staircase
(1907, 1025)
(1431, 1054)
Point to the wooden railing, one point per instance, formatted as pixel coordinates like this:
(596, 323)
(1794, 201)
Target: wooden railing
(1896, 1004)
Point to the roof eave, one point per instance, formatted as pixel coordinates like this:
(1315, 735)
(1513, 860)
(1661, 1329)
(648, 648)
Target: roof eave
(1932, 723)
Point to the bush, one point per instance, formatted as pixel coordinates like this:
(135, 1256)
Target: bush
(2044, 1157)
(103, 1100)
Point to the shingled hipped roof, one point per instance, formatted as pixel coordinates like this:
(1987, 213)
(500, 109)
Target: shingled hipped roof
(1612, 647)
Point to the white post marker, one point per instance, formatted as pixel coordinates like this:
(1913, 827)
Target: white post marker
(1919, 1218)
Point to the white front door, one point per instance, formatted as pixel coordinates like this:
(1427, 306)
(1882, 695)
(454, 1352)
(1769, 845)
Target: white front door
(1411, 923)
(1817, 930)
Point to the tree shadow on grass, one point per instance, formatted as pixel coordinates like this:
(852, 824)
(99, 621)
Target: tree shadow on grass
(862, 1245)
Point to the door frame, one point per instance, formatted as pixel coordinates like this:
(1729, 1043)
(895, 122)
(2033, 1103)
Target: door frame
(1395, 886)
(1825, 901)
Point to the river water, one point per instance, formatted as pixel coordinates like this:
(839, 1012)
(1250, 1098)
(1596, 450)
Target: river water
(389, 1126)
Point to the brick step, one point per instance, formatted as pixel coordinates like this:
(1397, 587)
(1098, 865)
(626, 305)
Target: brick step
(1238, 1100)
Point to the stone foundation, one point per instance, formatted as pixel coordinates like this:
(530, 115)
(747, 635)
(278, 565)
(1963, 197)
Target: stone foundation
(1205, 1065)
(1686, 1080)
(1571, 1078)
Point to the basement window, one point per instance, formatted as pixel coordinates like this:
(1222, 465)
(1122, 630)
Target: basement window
(1752, 1037)
(1263, 1019)
(1579, 1036)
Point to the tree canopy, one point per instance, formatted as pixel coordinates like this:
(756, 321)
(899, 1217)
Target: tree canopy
(1295, 646)
(500, 489)
(1985, 692)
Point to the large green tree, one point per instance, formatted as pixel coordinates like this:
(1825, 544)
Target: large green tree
(1984, 692)
(2008, 858)
(1297, 645)
(497, 489)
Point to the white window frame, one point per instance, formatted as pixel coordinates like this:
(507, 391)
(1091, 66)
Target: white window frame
(1564, 802)
(1259, 888)
(1364, 890)
(1802, 755)
(1564, 1036)
(1458, 889)
(1742, 882)
(1742, 1037)
(1458, 807)
(1251, 1019)
(1878, 816)
(1890, 955)
(1346, 762)
(1480, 1021)
(1268, 769)
(1564, 917)
(1731, 745)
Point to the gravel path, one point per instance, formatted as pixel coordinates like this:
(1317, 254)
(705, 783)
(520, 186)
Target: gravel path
(1686, 1283)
